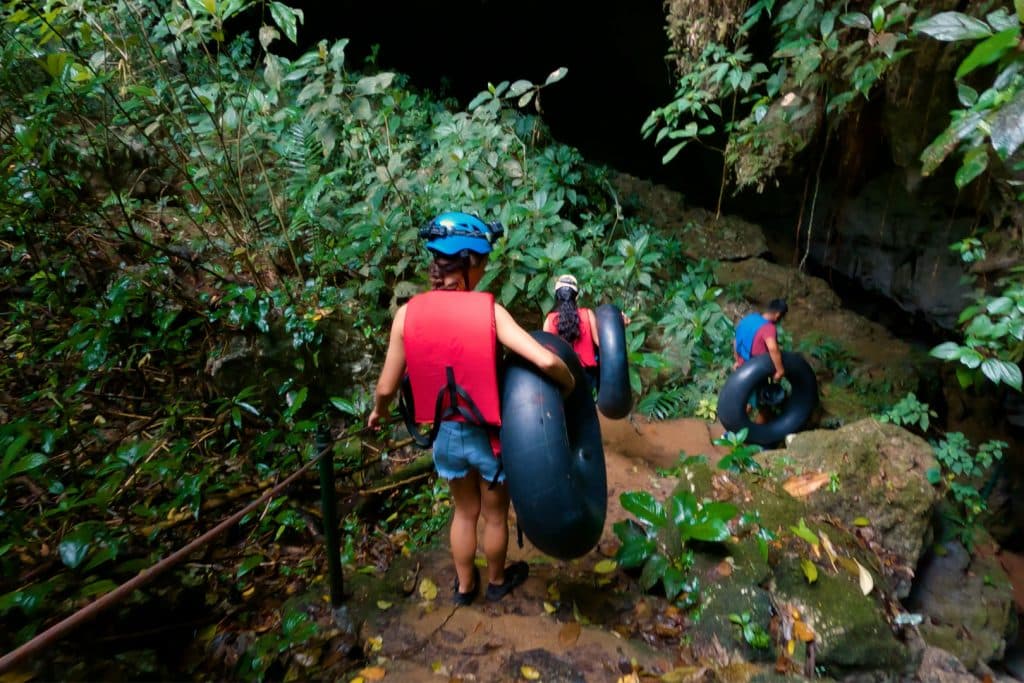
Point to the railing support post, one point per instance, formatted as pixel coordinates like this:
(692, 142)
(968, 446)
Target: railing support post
(329, 510)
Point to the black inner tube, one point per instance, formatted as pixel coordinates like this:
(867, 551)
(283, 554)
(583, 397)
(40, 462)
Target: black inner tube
(791, 412)
(614, 398)
(553, 456)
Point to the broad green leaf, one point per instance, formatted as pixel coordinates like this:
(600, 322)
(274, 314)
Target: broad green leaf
(646, 508)
(344, 405)
(74, 547)
(247, 565)
(653, 570)
(26, 463)
(674, 582)
(97, 588)
(710, 530)
(519, 87)
(1001, 19)
(810, 570)
(855, 20)
(804, 532)
(634, 552)
(1018, 5)
(953, 26)
(946, 351)
(626, 530)
(974, 164)
(720, 510)
(285, 17)
(556, 75)
(988, 51)
(1008, 127)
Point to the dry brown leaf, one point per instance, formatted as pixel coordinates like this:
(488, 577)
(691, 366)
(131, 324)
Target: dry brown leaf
(685, 674)
(724, 568)
(830, 550)
(866, 582)
(569, 634)
(803, 632)
(373, 673)
(805, 484)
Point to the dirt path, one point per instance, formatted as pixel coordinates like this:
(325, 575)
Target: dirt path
(562, 622)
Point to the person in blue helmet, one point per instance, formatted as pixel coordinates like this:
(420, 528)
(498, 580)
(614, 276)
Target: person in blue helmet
(446, 342)
(757, 334)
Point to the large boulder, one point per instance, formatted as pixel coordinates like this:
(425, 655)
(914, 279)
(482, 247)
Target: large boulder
(966, 601)
(881, 470)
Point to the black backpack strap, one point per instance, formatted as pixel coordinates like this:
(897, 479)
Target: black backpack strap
(405, 407)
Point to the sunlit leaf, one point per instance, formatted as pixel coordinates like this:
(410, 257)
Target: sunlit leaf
(952, 26)
(864, 577)
(861, 521)
(529, 673)
(556, 75)
(988, 51)
(428, 589)
(803, 632)
(383, 605)
(805, 484)
(810, 570)
(605, 567)
(373, 673)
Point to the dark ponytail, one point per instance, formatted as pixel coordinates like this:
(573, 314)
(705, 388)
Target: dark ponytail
(568, 316)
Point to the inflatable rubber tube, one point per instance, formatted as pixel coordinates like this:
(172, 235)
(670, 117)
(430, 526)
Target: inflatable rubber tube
(792, 413)
(614, 398)
(552, 455)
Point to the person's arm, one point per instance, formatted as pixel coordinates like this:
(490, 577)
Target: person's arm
(776, 355)
(519, 341)
(391, 374)
(549, 324)
(592, 321)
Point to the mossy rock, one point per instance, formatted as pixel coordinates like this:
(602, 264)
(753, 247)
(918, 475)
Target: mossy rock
(882, 473)
(851, 630)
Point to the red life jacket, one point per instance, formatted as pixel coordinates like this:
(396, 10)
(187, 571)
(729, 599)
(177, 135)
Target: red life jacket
(584, 344)
(451, 355)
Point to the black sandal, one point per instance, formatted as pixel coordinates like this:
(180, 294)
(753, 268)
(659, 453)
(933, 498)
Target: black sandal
(467, 598)
(515, 575)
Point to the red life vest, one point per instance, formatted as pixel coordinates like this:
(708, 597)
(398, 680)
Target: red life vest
(584, 344)
(452, 336)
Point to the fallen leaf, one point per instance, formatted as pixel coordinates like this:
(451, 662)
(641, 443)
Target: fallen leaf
(383, 604)
(830, 551)
(685, 674)
(549, 608)
(724, 568)
(861, 521)
(629, 678)
(810, 570)
(849, 565)
(569, 634)
(428, 589)
(866, 582)
(529, 673)
(357, 679)
(553, 592)
(373, 673)
(480, 562)
(247, 593)
(803, 631)
(606, 567)
(805, 484)
(374, 644)
(791, 646)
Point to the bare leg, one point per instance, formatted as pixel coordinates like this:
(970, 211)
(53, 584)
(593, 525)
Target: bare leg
(495, 511)
(466, 494)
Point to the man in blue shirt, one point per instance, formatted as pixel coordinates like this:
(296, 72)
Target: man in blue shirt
(757, 334)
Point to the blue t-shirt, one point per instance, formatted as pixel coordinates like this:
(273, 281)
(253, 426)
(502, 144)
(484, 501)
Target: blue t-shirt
(746, 331)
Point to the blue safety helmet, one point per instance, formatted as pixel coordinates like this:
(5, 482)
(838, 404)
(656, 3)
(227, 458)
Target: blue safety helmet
(453, 232)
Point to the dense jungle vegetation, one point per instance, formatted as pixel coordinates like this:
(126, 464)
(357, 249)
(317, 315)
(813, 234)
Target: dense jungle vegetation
(203, 239)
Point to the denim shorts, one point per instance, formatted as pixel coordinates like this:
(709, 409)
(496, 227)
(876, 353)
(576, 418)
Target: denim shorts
(460, 447)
